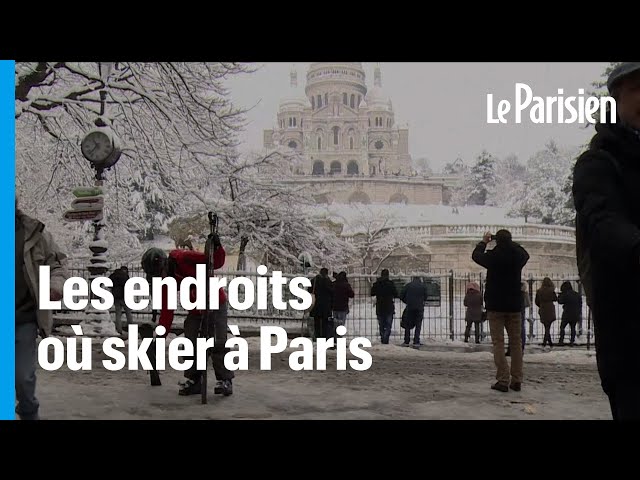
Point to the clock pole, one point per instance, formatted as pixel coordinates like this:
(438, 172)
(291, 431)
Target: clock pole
(101, 148)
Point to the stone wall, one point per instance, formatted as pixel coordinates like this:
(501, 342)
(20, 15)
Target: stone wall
(449, 247)
(377, 191)
(547, 258)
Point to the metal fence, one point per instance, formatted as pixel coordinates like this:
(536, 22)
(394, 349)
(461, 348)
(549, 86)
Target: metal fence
(444, 313)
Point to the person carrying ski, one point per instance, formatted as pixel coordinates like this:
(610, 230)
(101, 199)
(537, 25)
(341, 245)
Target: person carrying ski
(179, 265)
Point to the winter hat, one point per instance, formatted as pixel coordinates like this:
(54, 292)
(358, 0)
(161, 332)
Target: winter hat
(621, 71)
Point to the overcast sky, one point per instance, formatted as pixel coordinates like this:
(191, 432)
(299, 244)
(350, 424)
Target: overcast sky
(444, 104)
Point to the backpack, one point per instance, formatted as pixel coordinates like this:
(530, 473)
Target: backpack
(583, 253)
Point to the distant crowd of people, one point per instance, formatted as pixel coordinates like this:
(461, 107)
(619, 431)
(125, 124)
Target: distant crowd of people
(331, 305)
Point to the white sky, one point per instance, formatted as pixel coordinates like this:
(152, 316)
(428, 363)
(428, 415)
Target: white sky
(444, 104)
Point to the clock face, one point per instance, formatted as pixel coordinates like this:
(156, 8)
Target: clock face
(379, 144)
(97, 146)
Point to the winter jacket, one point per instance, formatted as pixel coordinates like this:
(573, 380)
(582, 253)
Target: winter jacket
(342, 292)
(473, 302)
(186, 262)
(40, 249)
(119, 279)
(385, 292)
(607, 201)
(572, 304)
(545, 298)
(504, 266)
(414, 294)
(322, 288)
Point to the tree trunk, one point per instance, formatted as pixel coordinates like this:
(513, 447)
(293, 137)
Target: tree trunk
(242, 263)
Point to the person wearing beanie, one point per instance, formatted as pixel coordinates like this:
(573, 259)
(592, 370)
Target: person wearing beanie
(607, 202)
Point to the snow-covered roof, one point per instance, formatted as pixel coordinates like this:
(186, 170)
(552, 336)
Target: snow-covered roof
(377, 100)
(401, 215)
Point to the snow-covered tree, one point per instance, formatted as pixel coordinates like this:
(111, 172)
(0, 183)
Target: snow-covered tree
(376, 238)
(174, 120)
(544, 194)
(567, 215)
(456, 167)
(262, 214)
(511, 176)
(422, 166)
(480, 182)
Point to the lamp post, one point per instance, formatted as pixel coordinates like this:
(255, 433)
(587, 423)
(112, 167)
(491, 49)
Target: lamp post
(101, 147)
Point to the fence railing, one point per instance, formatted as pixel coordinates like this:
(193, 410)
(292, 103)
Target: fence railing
(444, 313)
(476, 231)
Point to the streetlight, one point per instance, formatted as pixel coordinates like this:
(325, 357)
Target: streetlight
(100, 146)
(104, 70)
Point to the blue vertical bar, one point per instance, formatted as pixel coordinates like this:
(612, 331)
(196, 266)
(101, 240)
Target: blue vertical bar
(7, 239)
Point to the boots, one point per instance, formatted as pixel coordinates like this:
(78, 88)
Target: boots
(190, 388)
(224, 387)
(501, 387)
(467, 333)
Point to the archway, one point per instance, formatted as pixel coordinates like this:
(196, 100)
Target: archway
(352, 168)
(359, 197)
(318, 168)
(399, 198)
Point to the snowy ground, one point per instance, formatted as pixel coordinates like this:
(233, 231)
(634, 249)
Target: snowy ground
(437, 382)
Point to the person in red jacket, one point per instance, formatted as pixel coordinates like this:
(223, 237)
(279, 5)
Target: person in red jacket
(181, 264)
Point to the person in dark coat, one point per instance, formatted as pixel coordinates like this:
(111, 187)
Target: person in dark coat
(119, 278)
(607, 201)
(414, 294)
(322, 288)
(473, 314)
(342, 292)
(503, 301)
(385, 292)
(545, 300)
(572, 306)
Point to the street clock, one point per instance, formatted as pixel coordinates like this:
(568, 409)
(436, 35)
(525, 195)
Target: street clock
(101, 147)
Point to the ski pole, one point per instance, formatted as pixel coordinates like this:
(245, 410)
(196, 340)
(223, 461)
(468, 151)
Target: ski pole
(154, 376)
(209, 253)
